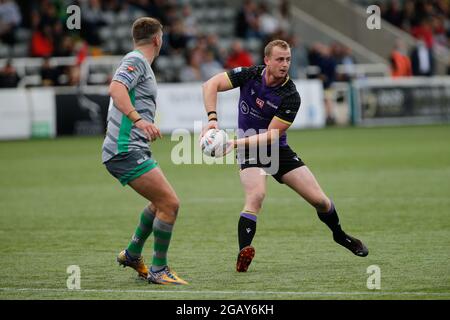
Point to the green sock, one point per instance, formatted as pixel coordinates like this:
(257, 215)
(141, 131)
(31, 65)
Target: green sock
(162, 232)
(143, 230)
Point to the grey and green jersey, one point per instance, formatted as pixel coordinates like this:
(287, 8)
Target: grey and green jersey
(121, 135)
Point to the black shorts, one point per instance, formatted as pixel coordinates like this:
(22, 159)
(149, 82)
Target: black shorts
(276, 165)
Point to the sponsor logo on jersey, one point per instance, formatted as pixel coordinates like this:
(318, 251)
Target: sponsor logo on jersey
(253, 92)
(259, 102)
(142, 160)
(244, 108)
(270, 104)
(237, 70)
(125, 75)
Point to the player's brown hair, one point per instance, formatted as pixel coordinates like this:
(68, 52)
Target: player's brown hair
(144, 29)
(275, 43)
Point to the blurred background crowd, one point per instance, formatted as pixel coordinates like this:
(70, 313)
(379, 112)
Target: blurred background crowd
(201, 38)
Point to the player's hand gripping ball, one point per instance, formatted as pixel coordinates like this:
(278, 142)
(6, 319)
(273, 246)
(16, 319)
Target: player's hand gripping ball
(214, 143)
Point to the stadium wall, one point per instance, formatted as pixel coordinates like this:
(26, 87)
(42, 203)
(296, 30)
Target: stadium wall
(50, 112)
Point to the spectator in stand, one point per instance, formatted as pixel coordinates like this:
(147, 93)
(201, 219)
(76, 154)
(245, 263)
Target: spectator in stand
(383, 8)
(269, 24)
(92, 20)
(344, 57)
(191, 71)
(247, 21)
(8, 76)
(173, 14)
(424, 31)
(283, 16)
(48, 13)
(65, 47)
(57, 35)
(400, 62)
(114, 6)
(177, 39)
(10, 19)
(238, 56)
(212, 44)
(327, 65)
(299, 58)
(422, 60)
(190, 22)
(49, 74)
(439, 31)
(210, 67)
(408, 15)
(394, 13)
(42, 42)
(321, 57)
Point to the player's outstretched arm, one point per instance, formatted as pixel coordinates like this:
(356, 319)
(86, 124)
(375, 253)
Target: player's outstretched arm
(121, 98)
(218, 83)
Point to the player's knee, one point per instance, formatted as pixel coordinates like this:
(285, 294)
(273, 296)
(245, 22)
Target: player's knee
(257, 199)
(322, 204)
(173, 206)
(169, 207)
(152, 207)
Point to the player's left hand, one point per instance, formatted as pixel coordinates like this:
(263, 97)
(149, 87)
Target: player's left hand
(211, 125)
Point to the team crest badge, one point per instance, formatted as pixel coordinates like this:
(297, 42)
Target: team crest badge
(259, 102)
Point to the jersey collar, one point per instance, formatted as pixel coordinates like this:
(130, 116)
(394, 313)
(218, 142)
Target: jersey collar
(263, 75)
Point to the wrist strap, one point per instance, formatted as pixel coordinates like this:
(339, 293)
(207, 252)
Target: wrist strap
(128, 114)
(212, 119)
(211, 112)
(134, 116)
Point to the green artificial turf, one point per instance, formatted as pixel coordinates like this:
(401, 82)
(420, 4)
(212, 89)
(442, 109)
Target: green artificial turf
(391, 186)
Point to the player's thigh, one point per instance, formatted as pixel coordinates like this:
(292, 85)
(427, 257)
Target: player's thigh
(302, 181)
(253, 181)
(154, 186)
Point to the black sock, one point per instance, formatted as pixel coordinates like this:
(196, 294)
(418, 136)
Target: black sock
(331, 219)
(246, 229)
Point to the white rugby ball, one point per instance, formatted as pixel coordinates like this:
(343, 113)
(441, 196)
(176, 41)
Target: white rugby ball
(214, 143)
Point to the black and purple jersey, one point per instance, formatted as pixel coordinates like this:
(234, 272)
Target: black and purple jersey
(259, 104)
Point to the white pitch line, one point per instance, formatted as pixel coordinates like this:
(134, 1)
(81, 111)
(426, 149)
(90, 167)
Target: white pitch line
(296, 293)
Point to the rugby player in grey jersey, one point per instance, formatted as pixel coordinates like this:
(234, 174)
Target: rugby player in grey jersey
(127, 155)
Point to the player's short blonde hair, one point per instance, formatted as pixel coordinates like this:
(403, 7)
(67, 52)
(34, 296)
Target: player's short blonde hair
(275, 43)
(144, 29)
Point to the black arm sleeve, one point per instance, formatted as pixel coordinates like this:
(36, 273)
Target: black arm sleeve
(289, 108)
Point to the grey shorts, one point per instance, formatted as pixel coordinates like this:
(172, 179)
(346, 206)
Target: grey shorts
(127, 166)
